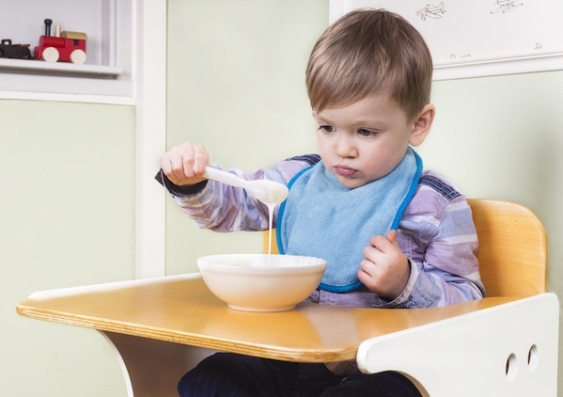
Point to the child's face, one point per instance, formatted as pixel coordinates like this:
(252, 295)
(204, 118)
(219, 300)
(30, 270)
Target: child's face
(364, 141)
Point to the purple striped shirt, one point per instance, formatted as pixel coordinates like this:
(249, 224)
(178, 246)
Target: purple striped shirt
(436, 233)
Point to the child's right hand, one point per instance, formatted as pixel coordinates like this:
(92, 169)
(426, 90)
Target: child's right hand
(185, 163)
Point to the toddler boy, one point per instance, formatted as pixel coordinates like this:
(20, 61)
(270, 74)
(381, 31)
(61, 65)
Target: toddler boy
(394, 235)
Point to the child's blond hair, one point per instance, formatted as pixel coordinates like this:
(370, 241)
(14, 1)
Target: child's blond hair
(370, 52)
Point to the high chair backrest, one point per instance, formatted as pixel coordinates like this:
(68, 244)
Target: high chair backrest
(512, 248)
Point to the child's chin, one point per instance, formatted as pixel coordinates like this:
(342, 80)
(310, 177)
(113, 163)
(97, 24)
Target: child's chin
(350, 183)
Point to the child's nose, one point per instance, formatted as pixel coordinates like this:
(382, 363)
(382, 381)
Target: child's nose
(345, 147)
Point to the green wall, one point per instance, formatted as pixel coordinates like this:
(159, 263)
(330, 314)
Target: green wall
(66, 219)
(236, 84)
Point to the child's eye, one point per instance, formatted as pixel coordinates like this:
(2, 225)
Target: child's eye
(366, 133)
(326, 128)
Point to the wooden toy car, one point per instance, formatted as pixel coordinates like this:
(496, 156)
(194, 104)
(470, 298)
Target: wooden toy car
(69, 47)
(9, 50)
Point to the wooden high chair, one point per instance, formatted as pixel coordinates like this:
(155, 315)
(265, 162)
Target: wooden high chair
(504, 345)
(498, 354)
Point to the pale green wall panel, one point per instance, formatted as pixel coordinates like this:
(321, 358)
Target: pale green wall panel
(236, 83)
(67, 219)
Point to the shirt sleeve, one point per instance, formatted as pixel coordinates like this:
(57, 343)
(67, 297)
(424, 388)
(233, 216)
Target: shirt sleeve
(222, 208)
(440, 241)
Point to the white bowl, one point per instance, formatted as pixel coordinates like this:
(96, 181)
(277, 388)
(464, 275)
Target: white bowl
(261, 282)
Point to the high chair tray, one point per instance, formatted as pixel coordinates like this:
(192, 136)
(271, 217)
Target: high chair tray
(162, 327)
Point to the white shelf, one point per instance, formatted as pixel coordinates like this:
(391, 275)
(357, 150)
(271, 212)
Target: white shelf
(48, 68)
(109, 74)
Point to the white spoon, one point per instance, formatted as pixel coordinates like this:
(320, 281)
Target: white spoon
(269, 192)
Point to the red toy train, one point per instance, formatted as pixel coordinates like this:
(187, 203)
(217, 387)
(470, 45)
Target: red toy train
(63, 47)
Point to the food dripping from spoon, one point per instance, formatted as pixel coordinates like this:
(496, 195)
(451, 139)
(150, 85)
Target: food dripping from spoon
(269, 192)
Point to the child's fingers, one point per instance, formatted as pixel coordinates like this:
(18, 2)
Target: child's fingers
(185, 163)
(392, 236)
(172, 166)
(200, 160)
(382, 243)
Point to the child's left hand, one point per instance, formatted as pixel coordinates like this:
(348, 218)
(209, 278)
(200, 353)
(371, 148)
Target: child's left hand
(385, 269)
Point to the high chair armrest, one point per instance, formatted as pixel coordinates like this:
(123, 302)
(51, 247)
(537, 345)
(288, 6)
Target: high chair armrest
(506, 350)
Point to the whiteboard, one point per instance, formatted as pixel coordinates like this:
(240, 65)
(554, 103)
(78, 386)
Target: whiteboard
(470, 38)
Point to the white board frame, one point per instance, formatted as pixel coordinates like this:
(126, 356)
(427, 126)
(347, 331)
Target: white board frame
(524, 62)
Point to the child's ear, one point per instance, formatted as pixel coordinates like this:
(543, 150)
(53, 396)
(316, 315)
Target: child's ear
(422, 124)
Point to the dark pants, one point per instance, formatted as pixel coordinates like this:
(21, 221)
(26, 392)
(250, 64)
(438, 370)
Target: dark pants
(225, 374)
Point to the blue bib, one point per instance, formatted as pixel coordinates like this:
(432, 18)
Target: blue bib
(324, 219)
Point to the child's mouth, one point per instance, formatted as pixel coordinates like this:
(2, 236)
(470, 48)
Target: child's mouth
(344, 171)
